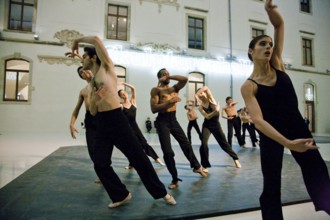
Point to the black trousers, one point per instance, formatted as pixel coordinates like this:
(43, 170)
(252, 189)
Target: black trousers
(235, 123)
(168, 125)
(252, 132)
(90, 126)
(314, 171)
(191, 124)
(114, 129)
(218, 134)
(146, 147)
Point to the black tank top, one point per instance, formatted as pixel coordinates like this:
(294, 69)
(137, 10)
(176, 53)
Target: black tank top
(215, 119)
(279, 106)
(130, 113)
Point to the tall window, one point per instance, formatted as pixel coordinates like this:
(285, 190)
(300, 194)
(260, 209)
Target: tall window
(256, 32)
(117, 22)
(307, 49)
(121, 74)
(305, 6)
(21, 15)
(196, 33)
(196, 81)
(16, 80)
(309, 89)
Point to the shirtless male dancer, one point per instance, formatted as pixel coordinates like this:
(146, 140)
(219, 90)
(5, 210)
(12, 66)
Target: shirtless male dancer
(163, 101)
(90, 121)
(192, 118)
(233, 121)
(113, 128)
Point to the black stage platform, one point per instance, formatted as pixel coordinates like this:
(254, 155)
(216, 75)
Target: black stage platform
(62, 187)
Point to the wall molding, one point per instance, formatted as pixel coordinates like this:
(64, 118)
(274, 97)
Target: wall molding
(160, 3)
(67, 36)
(59, 60)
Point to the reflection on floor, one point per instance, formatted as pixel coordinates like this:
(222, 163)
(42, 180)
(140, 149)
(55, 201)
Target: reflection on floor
(18, 152)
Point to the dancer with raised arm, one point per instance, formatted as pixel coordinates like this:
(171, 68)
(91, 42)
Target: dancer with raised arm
(209, 108)
(113, 128)
(129, 109)
(272, 103)
(163, 101)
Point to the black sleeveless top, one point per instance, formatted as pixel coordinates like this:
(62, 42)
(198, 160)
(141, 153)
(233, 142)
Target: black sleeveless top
(130, 113)
(279, 106)
(215, 119)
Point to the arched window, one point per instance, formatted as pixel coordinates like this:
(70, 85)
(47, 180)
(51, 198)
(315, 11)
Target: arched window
(16, 80)
(121, 75)
(309, 114)
(196, 81)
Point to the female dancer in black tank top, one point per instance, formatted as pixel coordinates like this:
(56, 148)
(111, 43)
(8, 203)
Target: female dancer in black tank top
(211, 125)
(129, 109)
(272, 103)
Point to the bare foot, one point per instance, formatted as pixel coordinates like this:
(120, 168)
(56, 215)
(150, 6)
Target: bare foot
(237, 164)
(160, 162)
(116, 204)
(169, 199)
(173, 185)
(200, 171)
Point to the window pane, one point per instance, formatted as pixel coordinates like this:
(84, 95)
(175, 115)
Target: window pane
(199, 34)
(27, 18)
(199, 23)
(112, 27)
(29, 2)
(120, 71)
(191, 21)
(309, 92)
(15, 17)
(10, 89)
(122, 11)
(23, 86)
(112, 9)
(197, 77)
(122, 24)
(17, 65)
(191, 91)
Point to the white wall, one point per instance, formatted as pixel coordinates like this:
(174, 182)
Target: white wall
(57, 86)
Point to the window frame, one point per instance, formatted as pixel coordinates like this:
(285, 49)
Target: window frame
(195, 85)
(16, 56)
(305, 52)
(107, 36)
(255, 28)
(7, 18)
(204, 38)
(308, 6)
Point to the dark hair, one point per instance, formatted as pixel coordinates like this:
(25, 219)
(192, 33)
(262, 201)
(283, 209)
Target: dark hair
(229, 97)
(91, 52)
(78, 71)
(159, 74)
(119, 92)
(253, 43)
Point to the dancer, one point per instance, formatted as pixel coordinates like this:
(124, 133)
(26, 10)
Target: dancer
(272, 103)
(163, 100)
(129, 109)
(209, 108)
(248, 125)
(192, 118)
(148, 125)
(89, 121)
(113, 128)
(233, 122)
